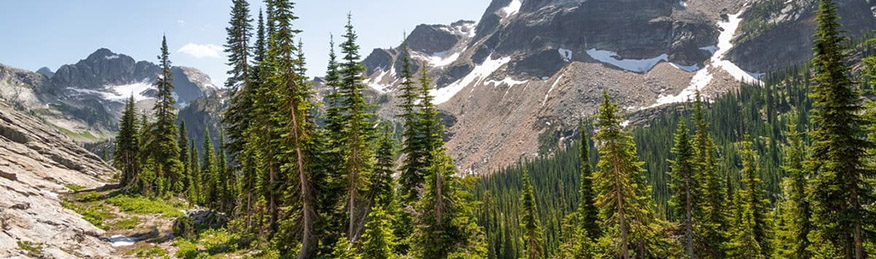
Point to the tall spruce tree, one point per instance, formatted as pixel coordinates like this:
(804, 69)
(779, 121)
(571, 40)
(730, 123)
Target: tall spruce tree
(358, 131)
(587, 212)
(623, 196)
(237, 47)
(209, 175)
(756, 206)
(412, 168)
(194, 192)
(530, 223)
(293, 100)
(711, 215)
(163, 149)
(796, 213)
(838, 187)
(127, 153)
(382, 182)
(183, 143)
(684, 185)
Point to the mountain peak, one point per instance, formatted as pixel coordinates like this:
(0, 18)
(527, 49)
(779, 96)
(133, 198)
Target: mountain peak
(103, 53)
(46, 72)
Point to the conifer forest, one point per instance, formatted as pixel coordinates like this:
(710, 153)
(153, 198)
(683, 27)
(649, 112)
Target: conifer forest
(781, 169)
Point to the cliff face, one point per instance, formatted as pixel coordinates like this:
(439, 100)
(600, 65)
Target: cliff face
(531, 69)
(37, 163)
(86, 98)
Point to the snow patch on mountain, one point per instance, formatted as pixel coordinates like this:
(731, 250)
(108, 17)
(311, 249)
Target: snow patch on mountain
(565, 53)
(377, 82)
(546, 95)
(438, 59)
(476, 76)
(634, 65)
(511, 82)
(121, 93)
(717, 62)
(510, 10)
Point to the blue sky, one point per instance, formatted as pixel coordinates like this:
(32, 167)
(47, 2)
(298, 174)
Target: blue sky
(55, 32)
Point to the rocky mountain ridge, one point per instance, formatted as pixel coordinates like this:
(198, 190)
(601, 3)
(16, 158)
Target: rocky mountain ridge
(531, 69)
(86, 98)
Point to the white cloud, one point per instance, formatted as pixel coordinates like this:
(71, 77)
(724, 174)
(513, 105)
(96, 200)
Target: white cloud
(181, 22)
(201, 50)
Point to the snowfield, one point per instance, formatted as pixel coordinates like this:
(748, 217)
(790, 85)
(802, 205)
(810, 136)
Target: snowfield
(704, 76)
(635, 65)
(477, 75)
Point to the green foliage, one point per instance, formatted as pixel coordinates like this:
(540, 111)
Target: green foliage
(209, 243)
(96, 215)
(31, 248)
(128, 223)
(150, 251)
(145, 205)
(530, 223)
(378, 240)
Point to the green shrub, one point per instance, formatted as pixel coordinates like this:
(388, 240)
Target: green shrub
(184, 227)
(32, 249)
(149, 252)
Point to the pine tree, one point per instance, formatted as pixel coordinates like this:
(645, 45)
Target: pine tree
(712, 215)
(837, 187)
(359, 158)
(792, 237)
(194, 192)
(587, 211)
(127, 152)
(445, 226)
(684, 185)
(224, 178)
(378, 240)
(754, 198)
(382, 182)
(530, 223)
(292, 116)
(209, 175)
(183, 144)
(623, 196)
(744, 243)
(237, 47)
(411, 178)
(343, 249)
(163, 148)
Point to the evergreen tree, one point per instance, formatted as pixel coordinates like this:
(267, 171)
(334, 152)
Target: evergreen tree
(163, 149)
(343, 249)
(127, 152)
(711, 215)
(359, 157)
(792, 237)
(744, 244)
(837, 188)
(382, 182)
(378, 240)
(412, 168)
(237, 47)
(293, 100)
(183, 143)
(530, 223)
(684, 185)
(587, 211)
(224, 178)
(209, 176)
(445, 225)
(623, 197)
(756, 206)
(194, 192)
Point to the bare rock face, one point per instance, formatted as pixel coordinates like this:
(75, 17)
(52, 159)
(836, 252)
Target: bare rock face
(37, 163)
(534, 67)
(777, 33)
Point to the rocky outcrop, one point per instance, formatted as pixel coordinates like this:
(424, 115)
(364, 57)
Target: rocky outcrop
(782, 31)
(38, 163)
